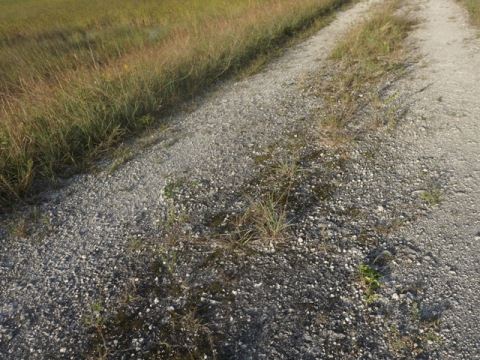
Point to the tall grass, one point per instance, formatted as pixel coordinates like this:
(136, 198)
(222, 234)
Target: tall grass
(78, 75)
(473, 7)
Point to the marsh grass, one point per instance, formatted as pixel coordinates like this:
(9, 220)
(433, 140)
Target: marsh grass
(82, 76)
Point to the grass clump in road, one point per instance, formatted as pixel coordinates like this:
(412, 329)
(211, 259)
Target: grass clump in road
(372, 51)
(473, 7)
(370, 277)
(268, 219)
(432, 195)
(76, 77)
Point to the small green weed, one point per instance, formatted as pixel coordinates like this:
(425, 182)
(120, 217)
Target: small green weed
(432, 196)
(268, 218)
(398, 341)
(20, 228)
(171, 187)
(121, 155)
(173, 229)
(286, 170)
(263, 220)
(189, 338)
(370, 278)
(135, 244)
(168, 255)
(415, 334)
(144, 121)
(414, 310)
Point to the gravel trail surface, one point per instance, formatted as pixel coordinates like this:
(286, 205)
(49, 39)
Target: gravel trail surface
(447, 136)
(78, 278)
(51, 276)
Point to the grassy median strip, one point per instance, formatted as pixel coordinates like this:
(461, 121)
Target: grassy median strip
(78, 78)
(356, 102)
(371, 53)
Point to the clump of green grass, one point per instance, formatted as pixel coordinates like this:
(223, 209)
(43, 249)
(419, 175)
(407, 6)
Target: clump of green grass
(266, 219)
(473, 7)
(370, 51)
(269, 220)
(77, 77)
(370, 277)
(432, 195)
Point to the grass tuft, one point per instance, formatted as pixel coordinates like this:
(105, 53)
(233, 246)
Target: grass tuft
(370, 277)
(372, 50)
(432, 195)
(269, 220)
(473, 7)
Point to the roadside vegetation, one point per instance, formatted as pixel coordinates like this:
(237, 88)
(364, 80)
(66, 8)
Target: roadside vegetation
(473, 7)
(373, 51)
(75, 77)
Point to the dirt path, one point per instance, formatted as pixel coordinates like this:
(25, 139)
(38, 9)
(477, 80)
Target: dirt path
(447, 108)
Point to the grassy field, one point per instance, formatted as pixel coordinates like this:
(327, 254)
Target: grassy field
(77, 76)
(474, 9)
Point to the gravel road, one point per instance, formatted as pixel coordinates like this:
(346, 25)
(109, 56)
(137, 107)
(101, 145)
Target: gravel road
(445, 133)
(86, 244)
(49, 278)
